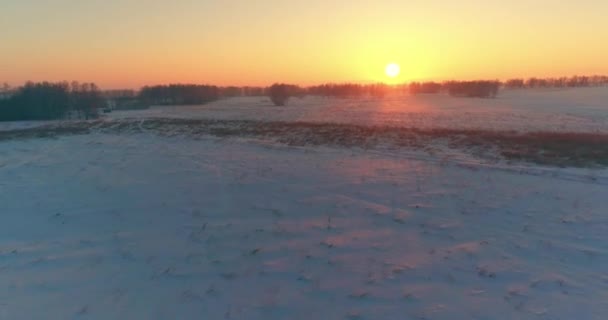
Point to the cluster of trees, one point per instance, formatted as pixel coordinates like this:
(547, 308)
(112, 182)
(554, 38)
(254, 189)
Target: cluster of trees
(5, 88)
(187, 94)
(280, 93)
(233, 91)
(47, 101)
(85, 100)
(179, 94)
(347, 90)
(455, 88)
(253, 91)
(424, 87)
(121, 93)
(563, 82)
(473, 89)
(489, 89)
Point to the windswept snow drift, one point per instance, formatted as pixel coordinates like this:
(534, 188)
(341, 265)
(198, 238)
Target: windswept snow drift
(137, 226)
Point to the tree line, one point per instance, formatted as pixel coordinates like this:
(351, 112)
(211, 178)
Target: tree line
(562, 82)
(59, 100)
(184, 94)
(178, 94)
(279, 93)
(350, 90)
(490, 88)
(49, 101)
(472, 89)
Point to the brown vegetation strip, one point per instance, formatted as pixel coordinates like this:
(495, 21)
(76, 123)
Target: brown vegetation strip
(549, 148)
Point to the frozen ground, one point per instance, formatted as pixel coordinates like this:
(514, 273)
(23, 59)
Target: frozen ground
(20, 125)
(581, 109)
(140, 226)
(141, 219)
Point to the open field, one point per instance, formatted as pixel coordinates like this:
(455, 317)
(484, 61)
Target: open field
(303, 160)
(573, 149)
(140, 226)
(325, 209)
(570, 110)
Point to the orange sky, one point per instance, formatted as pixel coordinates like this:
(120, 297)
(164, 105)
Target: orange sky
(129, 43)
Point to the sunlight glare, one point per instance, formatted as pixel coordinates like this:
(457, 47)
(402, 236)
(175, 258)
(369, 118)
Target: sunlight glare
(392, 70)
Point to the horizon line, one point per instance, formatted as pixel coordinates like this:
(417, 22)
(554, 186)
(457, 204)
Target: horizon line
(422, 80)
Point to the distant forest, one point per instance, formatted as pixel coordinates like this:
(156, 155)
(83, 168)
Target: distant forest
(47, 101)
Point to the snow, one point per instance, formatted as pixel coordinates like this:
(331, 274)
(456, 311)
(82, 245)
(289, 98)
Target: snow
(140, 226)
(576, 110)
(20, 125)
(136, 224)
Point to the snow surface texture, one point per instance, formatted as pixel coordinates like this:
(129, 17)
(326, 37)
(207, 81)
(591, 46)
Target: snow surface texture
(137, 226)
(19, 125)
(576, 110)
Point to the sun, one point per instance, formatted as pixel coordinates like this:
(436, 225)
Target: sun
(392, 70)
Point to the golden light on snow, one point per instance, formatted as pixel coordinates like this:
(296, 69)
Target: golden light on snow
(392, 70)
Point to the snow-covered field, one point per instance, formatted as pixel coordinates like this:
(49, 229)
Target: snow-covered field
(137, 225)
(581, 109)
(145, 227)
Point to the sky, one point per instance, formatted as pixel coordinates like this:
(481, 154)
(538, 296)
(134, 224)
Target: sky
(130, 43)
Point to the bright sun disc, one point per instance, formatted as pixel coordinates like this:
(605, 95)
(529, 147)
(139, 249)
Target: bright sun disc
(392, 70)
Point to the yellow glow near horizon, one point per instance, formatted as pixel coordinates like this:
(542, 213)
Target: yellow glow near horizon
(130, 43)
